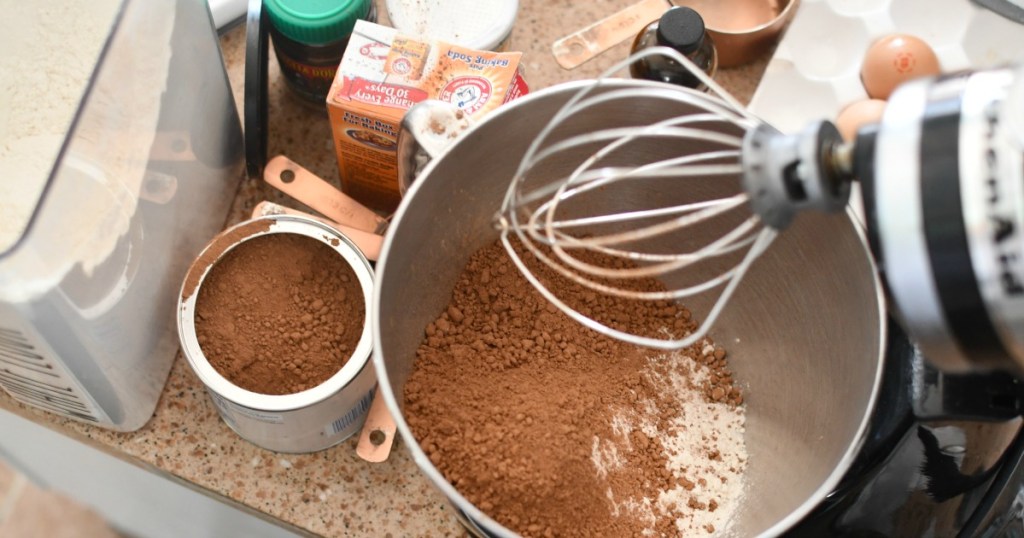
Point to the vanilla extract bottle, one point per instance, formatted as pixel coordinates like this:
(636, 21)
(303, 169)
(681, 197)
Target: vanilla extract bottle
(680, 28)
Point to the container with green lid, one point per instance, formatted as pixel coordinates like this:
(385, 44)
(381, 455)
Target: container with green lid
(310, 37)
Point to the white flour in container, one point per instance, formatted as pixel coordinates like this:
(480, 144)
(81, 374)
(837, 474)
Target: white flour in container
(50, 50)
(703, 442)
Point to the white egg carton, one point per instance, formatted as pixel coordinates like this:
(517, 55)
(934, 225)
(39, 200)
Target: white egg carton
(816, 68)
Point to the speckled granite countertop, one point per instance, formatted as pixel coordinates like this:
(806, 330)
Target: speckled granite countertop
(333, 492)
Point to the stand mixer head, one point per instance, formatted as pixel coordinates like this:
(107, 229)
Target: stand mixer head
(942, 181)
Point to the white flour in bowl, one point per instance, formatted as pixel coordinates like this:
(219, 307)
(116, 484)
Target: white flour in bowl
(703, 442)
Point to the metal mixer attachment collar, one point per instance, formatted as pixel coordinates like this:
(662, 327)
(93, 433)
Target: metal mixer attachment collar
(785, 174)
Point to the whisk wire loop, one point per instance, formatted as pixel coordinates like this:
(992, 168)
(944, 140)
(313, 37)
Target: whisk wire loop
(737, 238)
(545, 217)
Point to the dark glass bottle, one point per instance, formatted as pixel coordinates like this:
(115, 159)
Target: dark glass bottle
(682, 29)
(309, 39)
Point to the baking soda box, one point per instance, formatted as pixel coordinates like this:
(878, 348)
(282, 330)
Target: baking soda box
(382, 74)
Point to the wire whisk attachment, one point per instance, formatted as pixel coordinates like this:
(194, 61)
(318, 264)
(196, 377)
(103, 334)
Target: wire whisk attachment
(671, 198)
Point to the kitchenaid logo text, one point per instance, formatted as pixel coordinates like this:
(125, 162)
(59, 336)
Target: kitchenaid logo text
(1005, 235)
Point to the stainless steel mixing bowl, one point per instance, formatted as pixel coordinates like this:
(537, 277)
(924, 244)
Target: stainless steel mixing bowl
(805, 330)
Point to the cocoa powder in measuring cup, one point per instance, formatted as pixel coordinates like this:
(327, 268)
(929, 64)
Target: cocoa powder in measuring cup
(279, 314)
(555, 430)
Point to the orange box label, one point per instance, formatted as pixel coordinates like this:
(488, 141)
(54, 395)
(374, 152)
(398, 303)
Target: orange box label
(381, 76)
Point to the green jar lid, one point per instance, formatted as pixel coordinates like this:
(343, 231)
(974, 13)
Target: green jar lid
(316, 22)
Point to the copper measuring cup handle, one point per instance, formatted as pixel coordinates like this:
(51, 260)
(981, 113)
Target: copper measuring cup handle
(378, 432)
(292, 179)
(369, 244)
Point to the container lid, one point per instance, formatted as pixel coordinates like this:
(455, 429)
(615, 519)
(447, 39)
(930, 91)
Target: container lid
(681, 28)
(316, 22)
(475, 24)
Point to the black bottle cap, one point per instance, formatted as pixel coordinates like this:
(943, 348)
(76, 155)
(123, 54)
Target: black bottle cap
(681, 28)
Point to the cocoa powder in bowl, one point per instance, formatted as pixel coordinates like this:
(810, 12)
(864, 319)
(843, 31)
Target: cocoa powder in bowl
(279, 314)
(555, 430)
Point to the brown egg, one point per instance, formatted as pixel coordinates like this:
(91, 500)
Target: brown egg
(893, 60)
(858, 114)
